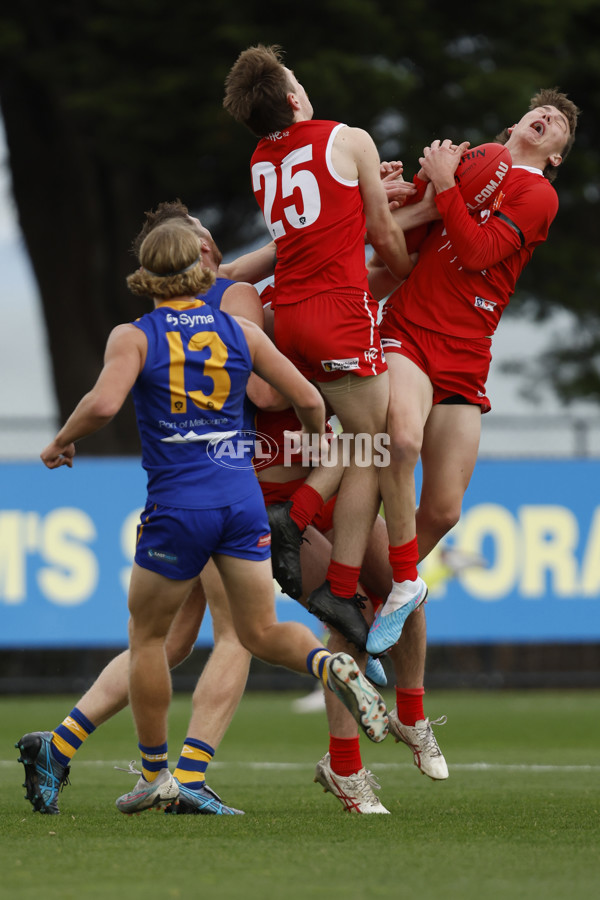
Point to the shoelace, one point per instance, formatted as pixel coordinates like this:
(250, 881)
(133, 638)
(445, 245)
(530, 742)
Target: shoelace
(364, 784)
(372, 781)
(359, 600)
(299, 537)
(64, 778)
(430, 743)
(131, 770)
(50, 774)
(302, 539)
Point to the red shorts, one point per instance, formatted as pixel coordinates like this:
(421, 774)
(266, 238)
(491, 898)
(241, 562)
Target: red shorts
(456, 367)
(274, 492)
(331, 335)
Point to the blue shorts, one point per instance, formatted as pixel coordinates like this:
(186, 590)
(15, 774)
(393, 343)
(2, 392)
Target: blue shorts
(177, 543)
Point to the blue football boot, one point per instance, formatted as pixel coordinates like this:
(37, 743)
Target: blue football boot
(389, 620)
(202, 801)
(375, 672)
(44, 775)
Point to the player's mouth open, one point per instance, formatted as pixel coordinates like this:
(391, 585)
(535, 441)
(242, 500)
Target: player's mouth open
(539, 127)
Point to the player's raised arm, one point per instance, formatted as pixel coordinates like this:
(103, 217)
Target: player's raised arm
(123, 361)
(253, 266)
(383, 232)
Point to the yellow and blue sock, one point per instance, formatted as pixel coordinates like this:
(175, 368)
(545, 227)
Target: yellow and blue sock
(193, 763)
(315, 663)
(70, 735)
(154, 760)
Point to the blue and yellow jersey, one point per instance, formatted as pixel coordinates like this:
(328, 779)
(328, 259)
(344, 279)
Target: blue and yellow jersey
(214, 297)
(189, 401)
(214, 294)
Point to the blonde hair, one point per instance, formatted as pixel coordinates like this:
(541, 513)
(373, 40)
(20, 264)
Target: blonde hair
(171, 263)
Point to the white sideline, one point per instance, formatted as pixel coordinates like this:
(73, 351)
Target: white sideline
(463, 767)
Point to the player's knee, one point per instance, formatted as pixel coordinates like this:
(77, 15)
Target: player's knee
(404, 448)
(179, 653)
(438, 521)
(144, 631)
(252, 640)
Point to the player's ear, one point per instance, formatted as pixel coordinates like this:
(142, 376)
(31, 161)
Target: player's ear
(555, 159)
(292, 100)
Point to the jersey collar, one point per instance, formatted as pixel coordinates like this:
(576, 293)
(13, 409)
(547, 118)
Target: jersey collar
(533, 169)
(192, 303)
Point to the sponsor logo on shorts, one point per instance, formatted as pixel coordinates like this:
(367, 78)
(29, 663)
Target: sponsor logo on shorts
(163, 556)
(340, 365)
(390, 343)
(264, 541)
(482, 303)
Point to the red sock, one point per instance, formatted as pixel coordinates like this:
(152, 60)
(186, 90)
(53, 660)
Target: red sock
(409, 703)
(376, 599)
(403, 560)
(306, 503)
(345, 755)
(343, 579)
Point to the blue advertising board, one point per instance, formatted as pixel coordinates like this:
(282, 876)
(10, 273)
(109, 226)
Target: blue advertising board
(67, 542)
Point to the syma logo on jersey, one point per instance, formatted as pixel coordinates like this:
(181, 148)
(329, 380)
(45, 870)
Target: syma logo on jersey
(245, 450)
(190, 319)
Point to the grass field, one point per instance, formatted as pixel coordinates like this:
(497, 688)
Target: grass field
(519, 816)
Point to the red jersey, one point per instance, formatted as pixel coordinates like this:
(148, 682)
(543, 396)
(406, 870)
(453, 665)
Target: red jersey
(315, 217)
(469, 265)
(273, 424)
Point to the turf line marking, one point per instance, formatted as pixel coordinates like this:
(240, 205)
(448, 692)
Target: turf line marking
(465, 767)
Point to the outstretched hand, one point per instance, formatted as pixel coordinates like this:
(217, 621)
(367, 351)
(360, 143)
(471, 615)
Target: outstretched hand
(396, 188)
(440, 161)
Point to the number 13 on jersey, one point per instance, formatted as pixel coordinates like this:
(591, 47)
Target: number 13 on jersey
(213, 367)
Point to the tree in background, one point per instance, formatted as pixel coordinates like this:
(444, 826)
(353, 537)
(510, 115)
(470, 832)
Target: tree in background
(111, 106)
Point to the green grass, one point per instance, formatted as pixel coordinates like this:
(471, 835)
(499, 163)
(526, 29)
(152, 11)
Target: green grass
(519, 816)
